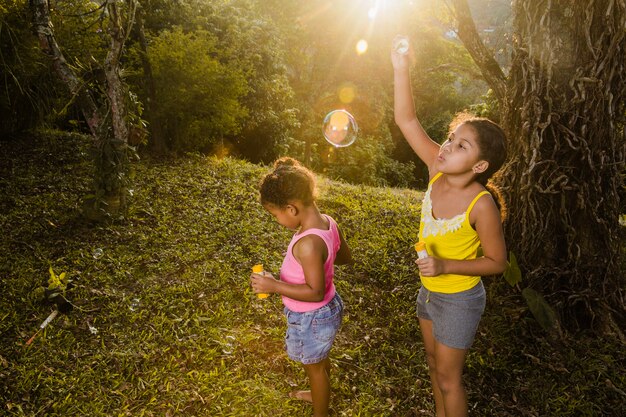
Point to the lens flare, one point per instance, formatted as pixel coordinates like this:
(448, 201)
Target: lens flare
(361, 47)
(372, 12)
(347, 93)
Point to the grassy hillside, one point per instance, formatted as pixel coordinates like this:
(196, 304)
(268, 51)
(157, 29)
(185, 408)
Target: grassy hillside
(165, 323)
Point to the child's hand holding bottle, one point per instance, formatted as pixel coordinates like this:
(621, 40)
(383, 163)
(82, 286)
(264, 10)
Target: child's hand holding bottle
(261, 281)
(428, 265)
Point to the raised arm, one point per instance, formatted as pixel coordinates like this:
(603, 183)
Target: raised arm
(404, 112)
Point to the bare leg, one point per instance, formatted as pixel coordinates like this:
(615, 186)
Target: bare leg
(319, 378)
(449, 370)
(426, 326)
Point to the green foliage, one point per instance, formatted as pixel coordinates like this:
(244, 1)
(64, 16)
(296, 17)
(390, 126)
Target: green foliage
(198, 97)
(245, 44)
(57, 282)
(255, 79)
(512, 274)
(28, 88)
(165, 321)
(541, 310)
(366, 162)
(253, 44)
(488, 108)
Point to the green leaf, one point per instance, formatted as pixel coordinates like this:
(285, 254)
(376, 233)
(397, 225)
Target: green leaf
(512, 274)
(543, 313)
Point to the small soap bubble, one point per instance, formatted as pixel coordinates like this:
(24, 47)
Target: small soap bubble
(340, 128)
(97, 253)
(135, 304)
(227, 348)
(401, 45)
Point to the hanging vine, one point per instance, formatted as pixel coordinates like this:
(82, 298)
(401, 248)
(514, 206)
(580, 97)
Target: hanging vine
(564, 111)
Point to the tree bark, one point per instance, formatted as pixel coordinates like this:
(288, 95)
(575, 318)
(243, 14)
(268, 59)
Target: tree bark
(563, 110)
(116, 90)
(157, 139)
(49, 46)
(112, 152)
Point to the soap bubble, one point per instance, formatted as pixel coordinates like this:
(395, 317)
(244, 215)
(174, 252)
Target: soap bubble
(401, 44)
(97, 253)
(135, 304)
(340, 128)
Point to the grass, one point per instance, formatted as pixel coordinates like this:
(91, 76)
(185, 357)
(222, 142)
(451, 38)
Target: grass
(165, 323)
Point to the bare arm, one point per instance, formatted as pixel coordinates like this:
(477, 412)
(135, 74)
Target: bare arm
(486, 219)
(311, 253)
(404, 113)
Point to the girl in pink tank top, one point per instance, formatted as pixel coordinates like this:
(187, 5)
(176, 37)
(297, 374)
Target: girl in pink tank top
(313, 308)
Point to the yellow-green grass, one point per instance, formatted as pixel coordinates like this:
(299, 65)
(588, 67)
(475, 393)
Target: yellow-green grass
(165, 323)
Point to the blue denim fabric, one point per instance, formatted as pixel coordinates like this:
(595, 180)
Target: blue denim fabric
(310, 335)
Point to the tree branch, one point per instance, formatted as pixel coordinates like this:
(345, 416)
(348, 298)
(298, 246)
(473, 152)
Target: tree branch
(480, 54)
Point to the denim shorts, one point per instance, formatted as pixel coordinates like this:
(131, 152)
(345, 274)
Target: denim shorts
(310, 334)
(455, 316)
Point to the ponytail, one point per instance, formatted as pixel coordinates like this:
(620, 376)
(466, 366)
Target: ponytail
(495, 192)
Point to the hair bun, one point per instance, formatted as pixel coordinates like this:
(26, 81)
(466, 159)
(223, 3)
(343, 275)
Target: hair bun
(286, 161)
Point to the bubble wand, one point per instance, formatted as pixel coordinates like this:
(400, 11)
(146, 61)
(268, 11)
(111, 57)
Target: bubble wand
(43, 326)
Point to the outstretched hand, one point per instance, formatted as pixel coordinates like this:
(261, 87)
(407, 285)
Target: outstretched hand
(398, 60)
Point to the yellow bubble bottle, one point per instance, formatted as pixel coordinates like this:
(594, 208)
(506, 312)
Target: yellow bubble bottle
(258, 269)
(420, 248)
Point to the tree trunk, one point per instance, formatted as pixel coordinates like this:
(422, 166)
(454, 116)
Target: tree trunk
(480, 54)
(112, 152)
(48, 44)
(563, 112)
(157, 139)
(116, 90)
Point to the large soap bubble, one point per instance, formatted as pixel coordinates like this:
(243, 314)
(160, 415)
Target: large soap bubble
(340, 128)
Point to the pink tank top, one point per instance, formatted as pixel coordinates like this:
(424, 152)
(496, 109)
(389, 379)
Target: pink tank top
(292, 273)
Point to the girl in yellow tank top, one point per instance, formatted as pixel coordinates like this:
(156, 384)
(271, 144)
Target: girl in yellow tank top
(459, 215)
(453, 238)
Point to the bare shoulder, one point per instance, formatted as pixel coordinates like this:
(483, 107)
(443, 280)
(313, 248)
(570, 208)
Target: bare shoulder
(485, 208)
(310, 246)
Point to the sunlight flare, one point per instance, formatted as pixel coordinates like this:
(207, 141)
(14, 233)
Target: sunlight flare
(361, 47)
(372, 12)
(346, 93)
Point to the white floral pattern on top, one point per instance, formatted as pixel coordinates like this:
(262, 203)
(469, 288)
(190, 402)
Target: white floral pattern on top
(434, 227)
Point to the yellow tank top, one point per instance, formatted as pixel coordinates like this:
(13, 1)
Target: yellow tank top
(448, 239)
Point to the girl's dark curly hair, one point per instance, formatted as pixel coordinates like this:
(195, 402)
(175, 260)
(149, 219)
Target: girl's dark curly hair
(289, 181)
(492, 143)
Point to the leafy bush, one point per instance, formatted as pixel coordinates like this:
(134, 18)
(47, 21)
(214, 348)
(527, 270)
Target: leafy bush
(198, 96)
(367, 162)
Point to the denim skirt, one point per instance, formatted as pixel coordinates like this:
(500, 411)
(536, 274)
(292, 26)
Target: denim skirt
(310, 334)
